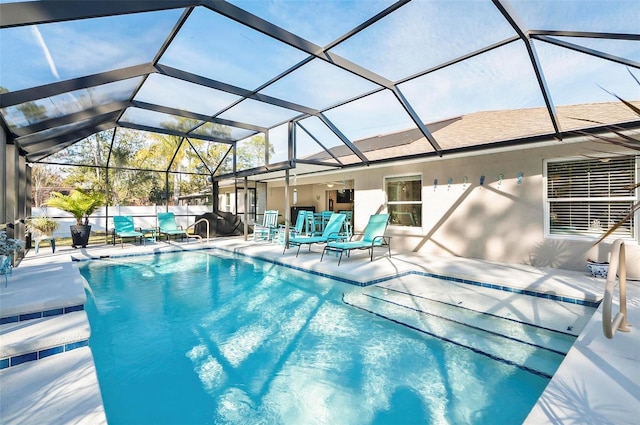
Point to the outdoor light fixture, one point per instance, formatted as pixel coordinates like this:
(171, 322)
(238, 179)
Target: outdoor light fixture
(329, 185)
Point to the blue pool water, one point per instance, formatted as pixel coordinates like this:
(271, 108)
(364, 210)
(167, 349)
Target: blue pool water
(206, 338)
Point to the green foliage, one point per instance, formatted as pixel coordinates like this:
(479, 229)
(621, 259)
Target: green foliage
(42, 225)
(137, 162)
(626, 141)
(79, 203)
(251, 153)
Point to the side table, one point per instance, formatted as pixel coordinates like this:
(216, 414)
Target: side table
(149, 234)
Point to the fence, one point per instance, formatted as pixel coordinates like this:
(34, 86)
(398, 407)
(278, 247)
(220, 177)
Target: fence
(142, 216)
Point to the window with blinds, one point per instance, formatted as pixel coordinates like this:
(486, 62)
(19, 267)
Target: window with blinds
(587, 197)
(404, 200)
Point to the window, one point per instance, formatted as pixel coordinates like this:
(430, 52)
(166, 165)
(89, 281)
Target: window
(587, 197)
(404, 200)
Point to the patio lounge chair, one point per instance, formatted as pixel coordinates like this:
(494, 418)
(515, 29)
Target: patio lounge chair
(293, 230)
(331, 233)
(167, 225)
(373, 237)
(124, 228)
(268, 228)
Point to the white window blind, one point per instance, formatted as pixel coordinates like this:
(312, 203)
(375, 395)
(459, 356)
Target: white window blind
(587, 197)
(404, 200)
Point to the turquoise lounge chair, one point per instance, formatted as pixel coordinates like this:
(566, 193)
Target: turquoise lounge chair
(331, 233)
(373, 237)
(268, 228)
(124, 228)
(167, 225)
(294, 231)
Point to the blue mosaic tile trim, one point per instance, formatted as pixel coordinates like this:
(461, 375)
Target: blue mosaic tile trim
(475, 350)
(290, 266)
(528, 292)
(40, 314)
(560, 298)
(483, 313)
(41, 354)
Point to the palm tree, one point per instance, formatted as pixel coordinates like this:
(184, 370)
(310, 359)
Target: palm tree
(626, 141)
(79, 203)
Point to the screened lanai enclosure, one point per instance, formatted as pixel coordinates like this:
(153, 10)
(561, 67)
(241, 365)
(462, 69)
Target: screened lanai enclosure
(168, 101)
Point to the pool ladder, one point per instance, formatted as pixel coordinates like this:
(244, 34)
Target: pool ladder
(617, 266)
(194, 235)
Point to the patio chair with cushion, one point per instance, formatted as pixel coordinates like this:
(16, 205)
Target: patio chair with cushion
(373, 237)
(167, 225)
(332, 232)
(124, 228)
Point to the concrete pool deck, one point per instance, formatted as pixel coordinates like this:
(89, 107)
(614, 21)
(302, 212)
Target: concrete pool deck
(598, 381)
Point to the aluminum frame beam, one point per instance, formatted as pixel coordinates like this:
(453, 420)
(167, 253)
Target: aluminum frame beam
(51, 146)
(86, 114)
(48, 90)
(194, 115)
(244, 93)
(344, 139)
(33, 138)
(509, 14)
(587, 51)
(44, 12)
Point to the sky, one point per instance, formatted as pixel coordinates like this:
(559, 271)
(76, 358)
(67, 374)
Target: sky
(418, 36)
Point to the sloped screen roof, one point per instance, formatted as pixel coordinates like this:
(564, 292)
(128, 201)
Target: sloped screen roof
(332, 83)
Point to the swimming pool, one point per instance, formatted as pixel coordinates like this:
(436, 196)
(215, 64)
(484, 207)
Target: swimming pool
(205, 337)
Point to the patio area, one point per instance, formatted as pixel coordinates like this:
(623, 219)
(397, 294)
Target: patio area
(597, 381)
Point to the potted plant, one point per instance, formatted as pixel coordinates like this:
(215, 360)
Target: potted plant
(81, 205)
(41, 226)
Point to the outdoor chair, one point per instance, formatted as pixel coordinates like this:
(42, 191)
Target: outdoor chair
(167, 226)
(124, 228)
(373, 237)
(51, 239)
(348, 221)
(312, 224)
(268, 228)
(332, 232)
(5, 268)
(293, 230)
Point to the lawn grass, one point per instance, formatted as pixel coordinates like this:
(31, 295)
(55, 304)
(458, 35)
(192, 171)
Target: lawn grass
(94, 239)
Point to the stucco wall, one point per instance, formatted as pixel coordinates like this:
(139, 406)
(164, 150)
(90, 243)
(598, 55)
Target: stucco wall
(498, 221)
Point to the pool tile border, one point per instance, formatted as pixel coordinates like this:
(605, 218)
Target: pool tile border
(40, 314)
(560, 298)
(41, 354)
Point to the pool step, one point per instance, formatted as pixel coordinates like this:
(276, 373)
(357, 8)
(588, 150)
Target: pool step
(515, 328)
(536, 350)
(31, 292)
(36, 339)
(60, 389)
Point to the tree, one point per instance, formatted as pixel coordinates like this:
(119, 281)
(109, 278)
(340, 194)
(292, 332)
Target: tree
(31, 111)
(626, 141)
(79, 203)
(43, 179)
(251, 153)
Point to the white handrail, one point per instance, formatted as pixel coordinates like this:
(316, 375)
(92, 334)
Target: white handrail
(195, 235)
(617, 266)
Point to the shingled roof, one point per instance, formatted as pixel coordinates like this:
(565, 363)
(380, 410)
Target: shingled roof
(483, 128)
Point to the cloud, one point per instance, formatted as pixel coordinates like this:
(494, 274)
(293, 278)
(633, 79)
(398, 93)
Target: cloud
(45, 50)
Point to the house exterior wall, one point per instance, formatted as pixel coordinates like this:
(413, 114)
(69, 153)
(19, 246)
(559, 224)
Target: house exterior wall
(498, 221)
